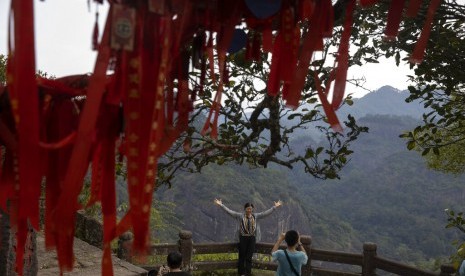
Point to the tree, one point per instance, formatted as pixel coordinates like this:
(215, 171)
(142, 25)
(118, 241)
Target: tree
(457, 221)
(256, 128)
(438, 84)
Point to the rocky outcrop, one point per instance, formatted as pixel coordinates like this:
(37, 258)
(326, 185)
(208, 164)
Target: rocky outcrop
(89, 229)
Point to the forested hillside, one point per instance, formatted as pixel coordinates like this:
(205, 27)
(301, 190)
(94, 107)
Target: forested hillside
(386, 195)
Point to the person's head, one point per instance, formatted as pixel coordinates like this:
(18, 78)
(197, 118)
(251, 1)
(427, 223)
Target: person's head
(174, 260)
(248, 208)
(291, 237)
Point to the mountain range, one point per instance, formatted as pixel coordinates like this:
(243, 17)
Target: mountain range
(386, 194)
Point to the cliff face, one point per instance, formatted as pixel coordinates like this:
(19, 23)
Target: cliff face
(193, 196)
(212, 224)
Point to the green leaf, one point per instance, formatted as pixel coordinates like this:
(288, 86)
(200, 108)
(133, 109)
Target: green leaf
(292, 116)
(411, 145)
(312, 100)
(309, 153)
(371, 60)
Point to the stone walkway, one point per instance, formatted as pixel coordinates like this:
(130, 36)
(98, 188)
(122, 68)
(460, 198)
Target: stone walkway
(88, 261)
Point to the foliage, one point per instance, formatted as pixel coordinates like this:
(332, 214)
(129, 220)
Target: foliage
(2, 69)
(254, 128)
(162, 215)
(158, 260)
(84, 197)
(457, 221)
(223, 272)
(439, 85)
(393, 200)
(439, 79)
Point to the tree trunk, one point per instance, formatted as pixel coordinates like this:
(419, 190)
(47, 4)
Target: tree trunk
(4, 243)
(8, 249)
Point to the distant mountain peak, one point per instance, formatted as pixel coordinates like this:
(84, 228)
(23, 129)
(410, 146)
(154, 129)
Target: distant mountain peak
(386, 100)
(387, 88)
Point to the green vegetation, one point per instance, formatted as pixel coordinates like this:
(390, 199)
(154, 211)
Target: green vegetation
(163, 218)
(457, 221)
(439, 86)
(2, 70)
(386, 195)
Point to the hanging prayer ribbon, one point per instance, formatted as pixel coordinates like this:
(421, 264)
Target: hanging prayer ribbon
(67, 206)
(329, 111)
(420, 46)
(343, 58)
(394, 17)
(25, 106)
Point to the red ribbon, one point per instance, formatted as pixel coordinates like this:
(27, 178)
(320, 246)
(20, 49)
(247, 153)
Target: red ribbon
(267, 40)
(60, 119)
(420, 46)
(273, 83)
(25, 106)
(413, 8)
(394, 18)
(329, 111)
(67, 206)
(312, 39)
(343, 58)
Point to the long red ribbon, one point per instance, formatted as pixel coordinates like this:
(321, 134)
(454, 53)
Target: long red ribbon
(420, 46)
(329, 111)
(108, 192)
(60, 120)
(394, 18)
(25, 106)
(311, 41)
(413, 8)
(343, 58)
(67, 206)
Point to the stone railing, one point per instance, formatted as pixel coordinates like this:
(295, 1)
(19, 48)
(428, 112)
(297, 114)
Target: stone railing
(365, 264)
(89, 229)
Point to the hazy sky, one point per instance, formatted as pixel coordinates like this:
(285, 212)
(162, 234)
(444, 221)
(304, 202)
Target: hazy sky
(63, 31)
(63, 44)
